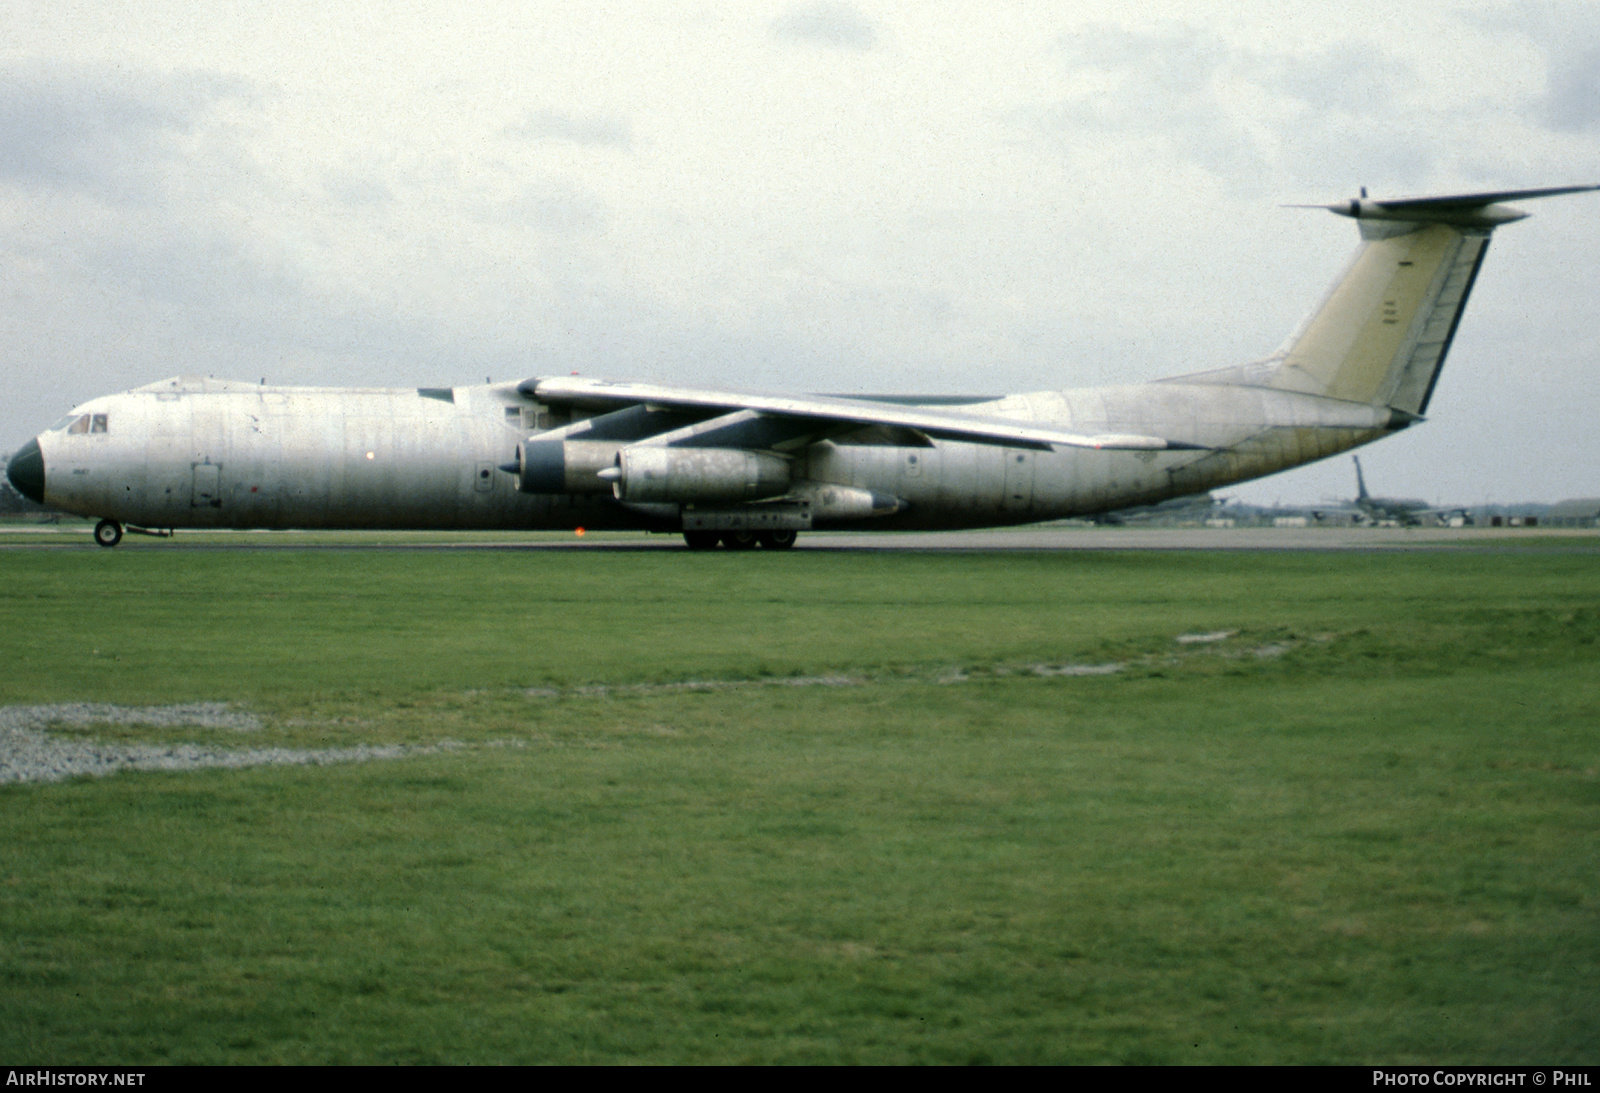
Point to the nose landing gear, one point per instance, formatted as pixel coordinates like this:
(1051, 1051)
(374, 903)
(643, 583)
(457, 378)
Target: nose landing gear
(108, 533)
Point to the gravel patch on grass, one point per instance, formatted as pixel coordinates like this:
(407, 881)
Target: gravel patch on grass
(606, 690)
(1204, 639)
(29, 753)
(943, 676)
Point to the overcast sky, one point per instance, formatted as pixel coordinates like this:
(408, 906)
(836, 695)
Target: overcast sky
(845, 197)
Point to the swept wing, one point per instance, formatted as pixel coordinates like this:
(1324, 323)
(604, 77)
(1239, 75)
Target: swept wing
(935, 422)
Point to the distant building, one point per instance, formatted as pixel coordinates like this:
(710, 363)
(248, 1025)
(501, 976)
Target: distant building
(1582, 512)
(1519, 515)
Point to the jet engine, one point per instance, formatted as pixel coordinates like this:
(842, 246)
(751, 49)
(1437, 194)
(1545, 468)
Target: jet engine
(562, 466)
(643, 474)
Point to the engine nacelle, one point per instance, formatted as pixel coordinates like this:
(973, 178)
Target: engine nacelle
(563, 466)
(644, 474)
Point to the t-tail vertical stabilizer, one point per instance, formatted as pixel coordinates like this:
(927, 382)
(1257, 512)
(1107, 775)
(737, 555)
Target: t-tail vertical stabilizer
(1382, 334)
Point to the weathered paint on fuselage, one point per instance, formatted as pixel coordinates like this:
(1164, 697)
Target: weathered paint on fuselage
(1250, 431)
(206, 453)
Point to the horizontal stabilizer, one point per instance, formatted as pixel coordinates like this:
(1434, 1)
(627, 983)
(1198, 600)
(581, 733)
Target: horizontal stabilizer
(1461, 210)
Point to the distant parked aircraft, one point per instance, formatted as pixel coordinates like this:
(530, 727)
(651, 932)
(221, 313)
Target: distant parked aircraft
(1406, 511)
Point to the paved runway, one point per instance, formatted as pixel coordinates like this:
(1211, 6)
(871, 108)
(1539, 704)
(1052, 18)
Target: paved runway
(1258, 538)
(1076, 537)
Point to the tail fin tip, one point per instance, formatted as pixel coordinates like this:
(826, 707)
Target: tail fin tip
(1479, 210)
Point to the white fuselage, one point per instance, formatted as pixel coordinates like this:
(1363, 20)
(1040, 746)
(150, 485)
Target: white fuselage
(206, 453)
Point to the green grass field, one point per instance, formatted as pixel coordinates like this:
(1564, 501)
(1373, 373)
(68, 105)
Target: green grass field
(814, 807)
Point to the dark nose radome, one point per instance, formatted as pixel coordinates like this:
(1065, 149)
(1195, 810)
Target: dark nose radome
(26, 471)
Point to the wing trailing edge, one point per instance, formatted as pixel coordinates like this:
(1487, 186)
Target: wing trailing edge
(934, 421)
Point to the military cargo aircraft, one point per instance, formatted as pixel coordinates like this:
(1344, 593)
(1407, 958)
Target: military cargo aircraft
(1405, 511)
(743, 470)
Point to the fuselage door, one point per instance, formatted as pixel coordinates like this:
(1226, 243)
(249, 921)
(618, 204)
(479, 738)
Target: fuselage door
(1018, 496)
(207, 492)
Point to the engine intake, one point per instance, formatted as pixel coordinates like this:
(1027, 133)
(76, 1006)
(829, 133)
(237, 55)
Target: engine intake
(562, 466)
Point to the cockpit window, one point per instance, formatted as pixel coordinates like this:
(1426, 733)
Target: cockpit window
(82, 423)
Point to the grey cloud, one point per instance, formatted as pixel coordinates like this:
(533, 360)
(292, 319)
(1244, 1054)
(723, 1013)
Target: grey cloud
(81, 148)
(1323, 116)
(188, 284)
(1159, 86)
(829, 24)
(551, 206)
(98, 130)
(352, 190)
(1572, 102)
(220, 285)
(1347, 76)
(1350, 117)
(1568, 36)
(560, 211)
(592, 131)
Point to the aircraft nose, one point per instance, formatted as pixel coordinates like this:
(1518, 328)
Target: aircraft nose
(26, 471)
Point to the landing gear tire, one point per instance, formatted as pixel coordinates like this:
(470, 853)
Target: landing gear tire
(701, 540)
(108, 533)
(782, 539)
(739, 540)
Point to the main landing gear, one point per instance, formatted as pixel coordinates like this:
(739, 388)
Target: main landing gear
(781, 539)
